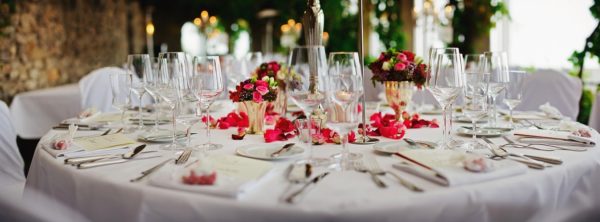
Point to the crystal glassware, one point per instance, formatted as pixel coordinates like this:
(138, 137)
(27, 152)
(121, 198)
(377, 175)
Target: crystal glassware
(306, 84)
(141, 66)
(344, 88)
(497, 64)
(475, 107)
(152, 83)
(173, 67)
(445, 83)
(120, 83)
(208, 85)
(514, 92)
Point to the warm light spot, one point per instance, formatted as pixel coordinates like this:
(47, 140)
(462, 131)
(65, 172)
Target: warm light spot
(212, 20)
(325, 36)
(291, 22)
(285, 28)
(198, 21)
(204, 14)
(150, 28)
(298, 27)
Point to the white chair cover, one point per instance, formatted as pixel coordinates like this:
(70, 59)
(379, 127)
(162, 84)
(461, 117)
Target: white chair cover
(557, 88)
(595, 114)
(39, 208)
(12, 177)
(96, 90)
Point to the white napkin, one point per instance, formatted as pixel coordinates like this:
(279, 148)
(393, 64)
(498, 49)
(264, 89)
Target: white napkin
(235, 176)
(448, 163)
(551, 111)
(562, 136)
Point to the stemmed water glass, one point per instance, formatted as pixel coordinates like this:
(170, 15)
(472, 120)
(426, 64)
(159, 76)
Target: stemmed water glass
(306, 87)
(513, 92)
(344, 88)
(152, 83)
(475, 93)
(497, 63)
(445, 82)
(121, 95)
(172, 74)
(141, 66)
(208, 86)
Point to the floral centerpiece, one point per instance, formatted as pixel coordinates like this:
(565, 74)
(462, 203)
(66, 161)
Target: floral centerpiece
(278, 72)
(399, 72)
(255, 94)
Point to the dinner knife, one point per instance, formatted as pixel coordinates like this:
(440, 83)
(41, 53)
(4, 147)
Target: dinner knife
(129, 155)
(283, 149)
(147, 172)
(110, 162)
(292, 197)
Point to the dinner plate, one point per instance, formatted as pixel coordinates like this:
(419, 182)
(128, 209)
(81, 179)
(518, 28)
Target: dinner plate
(160, 136)
(263, 151)
(464, 119)
(486, 132)
(392, 147)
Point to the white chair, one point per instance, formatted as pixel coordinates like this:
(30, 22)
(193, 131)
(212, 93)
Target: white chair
(557, 88)
(96, 90)
(595, 114)
(12, 176)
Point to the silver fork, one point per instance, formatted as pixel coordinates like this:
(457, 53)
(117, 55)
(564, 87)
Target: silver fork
(376, 169)
(360, 167)
(184, 157)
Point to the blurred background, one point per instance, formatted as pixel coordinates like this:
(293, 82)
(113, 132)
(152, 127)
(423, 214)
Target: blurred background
(46, 43)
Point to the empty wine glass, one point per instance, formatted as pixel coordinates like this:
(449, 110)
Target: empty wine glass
(513, 92)
(445, 83)
(475, 107)
(344, 89)
(141, 66)
(172, 66)
(208, 87)
(152, 83)
(120, 83)
(497, 63)
(306, 85)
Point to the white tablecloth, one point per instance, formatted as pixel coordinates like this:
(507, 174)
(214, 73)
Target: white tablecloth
(35, 112)
(105, 193)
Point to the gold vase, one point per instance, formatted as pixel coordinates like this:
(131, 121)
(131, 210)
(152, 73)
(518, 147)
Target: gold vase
(398, 95)
(280, 104)
(256, 116)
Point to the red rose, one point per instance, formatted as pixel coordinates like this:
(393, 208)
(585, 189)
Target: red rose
(409, 55)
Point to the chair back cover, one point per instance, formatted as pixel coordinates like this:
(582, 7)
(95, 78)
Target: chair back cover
(96, 90)
(559, 89)
(11, 162)
(595, 114)
(35, 206)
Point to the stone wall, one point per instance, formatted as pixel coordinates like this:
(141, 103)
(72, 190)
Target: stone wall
(54, 42)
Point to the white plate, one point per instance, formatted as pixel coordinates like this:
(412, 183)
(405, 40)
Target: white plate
(396, 146)
(464, 119)
(486, 132)
(160, 137)
(263, 151)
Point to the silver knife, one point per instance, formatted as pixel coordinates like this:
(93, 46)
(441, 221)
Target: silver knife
(110, 162)
(129, 155)
(147, 172)
(292, 197)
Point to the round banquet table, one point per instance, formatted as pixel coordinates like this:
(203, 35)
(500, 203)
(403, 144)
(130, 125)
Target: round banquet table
(105, 193)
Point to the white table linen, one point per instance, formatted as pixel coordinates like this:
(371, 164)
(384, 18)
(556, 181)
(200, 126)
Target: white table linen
(105, 193)
(35, 112)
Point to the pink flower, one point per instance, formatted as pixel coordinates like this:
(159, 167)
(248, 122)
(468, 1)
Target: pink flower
(261, 83)
(381, 57)
(249, 86)
(257, 97)
(270, 119)
(401, 57)
(399, 66)
(262, 90)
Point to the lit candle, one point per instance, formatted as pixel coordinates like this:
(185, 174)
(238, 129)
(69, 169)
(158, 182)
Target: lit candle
(150, 38)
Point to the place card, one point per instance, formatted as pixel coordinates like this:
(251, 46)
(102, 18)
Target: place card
(241, 168)
(102, 142)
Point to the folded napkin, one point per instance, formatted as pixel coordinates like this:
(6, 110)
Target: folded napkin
(449, 165)
(551, 111)
(235, 176)
(91, 145)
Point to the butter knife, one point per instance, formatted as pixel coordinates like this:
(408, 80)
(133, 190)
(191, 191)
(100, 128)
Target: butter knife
(283, 149)
(292, 197)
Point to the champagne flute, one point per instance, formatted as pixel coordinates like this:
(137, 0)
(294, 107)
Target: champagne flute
(497, 63)
(121, 95)
(514, 92)
(306, 87)
(172, 66)
(141, 66)
(344, 90)
(208, 86)
(445, 83)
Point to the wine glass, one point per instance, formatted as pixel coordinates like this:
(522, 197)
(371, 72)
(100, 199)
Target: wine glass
(343, 91)
(120, 83)
(497, 63)
(445, 83)
(208, 86)
(172, 74)
(475, 107)
(141, 66)
(306, 85)
(152, 83)
(514, 92)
